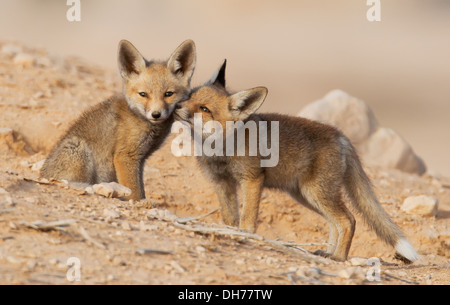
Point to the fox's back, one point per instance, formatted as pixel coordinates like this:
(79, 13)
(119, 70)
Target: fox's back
(302, 144)
(97, 125)
(297, 134)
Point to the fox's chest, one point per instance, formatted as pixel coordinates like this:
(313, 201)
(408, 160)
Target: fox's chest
(216, 168)
(152, 136)
(137, 136)
(230, 168)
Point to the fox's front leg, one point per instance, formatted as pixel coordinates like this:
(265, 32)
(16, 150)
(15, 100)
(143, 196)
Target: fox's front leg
(251, 194)
(226, 193)
(129, 174)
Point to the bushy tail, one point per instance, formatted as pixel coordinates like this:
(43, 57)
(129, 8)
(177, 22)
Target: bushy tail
(363, 198)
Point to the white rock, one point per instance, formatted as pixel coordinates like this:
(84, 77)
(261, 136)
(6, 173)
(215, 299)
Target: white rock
(169, 216)
(200, 249)
(126, 226)
(10, 49)
(89, 190)
(5, 198)
(120, 190)
(147, 227)
(5, 132)
(104, 189)
(358, 261)
(420, 205)
(351, 115)
(13, 260)
(3, 191)
(56, 124)
(11, 140)
(388, 149)
(161, 214)
(271, 260)
(38, 95)
(119, 261)
(153, 214)
(23, 59)
(111, 213)
(352, 273)
(376, 145)
(177, 266)
(111, 190)
(36, 167)
(44, 62)
(31, 265)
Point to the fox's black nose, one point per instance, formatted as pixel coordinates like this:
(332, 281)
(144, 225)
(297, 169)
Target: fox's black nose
(156, 114)
(178, 106)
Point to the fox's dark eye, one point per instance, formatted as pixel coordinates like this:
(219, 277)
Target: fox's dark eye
(143, 94)
(168, 93)
(204, 109)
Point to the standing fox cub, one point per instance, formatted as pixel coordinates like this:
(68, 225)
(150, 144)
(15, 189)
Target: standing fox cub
(111, 141)
(315, 162)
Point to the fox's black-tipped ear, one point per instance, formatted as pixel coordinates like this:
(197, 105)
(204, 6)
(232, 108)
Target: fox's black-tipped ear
(218, 79)
(129, 59)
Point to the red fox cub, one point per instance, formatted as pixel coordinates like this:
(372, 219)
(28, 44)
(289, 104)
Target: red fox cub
(315, 163)
(111, 141)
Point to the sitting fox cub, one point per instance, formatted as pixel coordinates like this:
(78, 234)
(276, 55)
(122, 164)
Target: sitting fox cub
(111, 141)
(315, 162)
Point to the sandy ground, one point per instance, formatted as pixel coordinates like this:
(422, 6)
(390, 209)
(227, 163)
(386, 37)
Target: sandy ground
(119, 242)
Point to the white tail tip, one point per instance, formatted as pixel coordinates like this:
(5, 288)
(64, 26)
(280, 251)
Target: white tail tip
(405, 249)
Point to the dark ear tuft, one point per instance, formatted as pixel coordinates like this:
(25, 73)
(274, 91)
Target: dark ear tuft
(220, 78)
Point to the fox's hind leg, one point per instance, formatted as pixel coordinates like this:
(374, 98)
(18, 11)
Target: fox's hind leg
(70, 160)
(333, 237)
(328, 202)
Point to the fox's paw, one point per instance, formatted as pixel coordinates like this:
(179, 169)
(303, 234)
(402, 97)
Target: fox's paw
(231, 223)
(247, 228)
(328, 255)
(400, 257)
(322, 253)
(250, 231)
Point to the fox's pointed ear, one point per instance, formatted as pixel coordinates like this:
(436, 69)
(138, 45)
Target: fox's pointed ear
(182, 61)
(244, 103)
(218, 78)
(130, 60)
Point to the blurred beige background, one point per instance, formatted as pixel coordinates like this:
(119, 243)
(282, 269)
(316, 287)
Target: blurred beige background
(299, 49)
